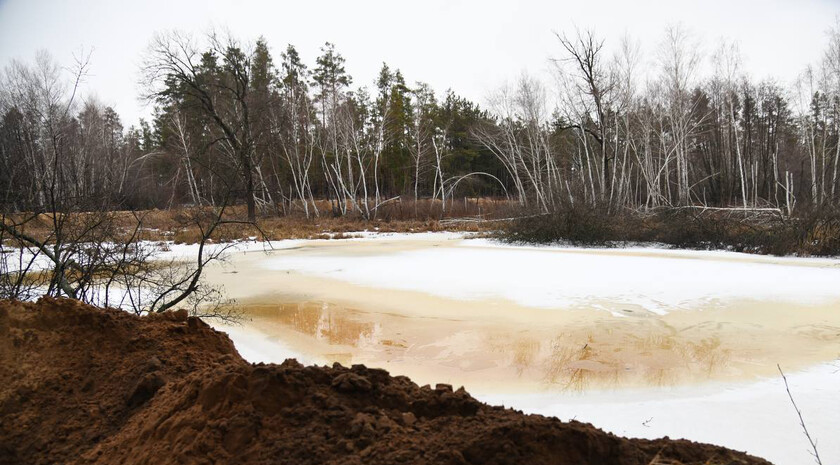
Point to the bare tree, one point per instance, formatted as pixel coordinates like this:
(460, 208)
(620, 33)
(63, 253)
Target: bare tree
(422, 133)
(679, 59)
(66, 236)
(588, 90)
(176, 69)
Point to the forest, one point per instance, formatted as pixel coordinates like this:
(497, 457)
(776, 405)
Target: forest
(235, 123)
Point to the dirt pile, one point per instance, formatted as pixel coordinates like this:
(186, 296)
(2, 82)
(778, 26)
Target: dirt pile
(83, 385)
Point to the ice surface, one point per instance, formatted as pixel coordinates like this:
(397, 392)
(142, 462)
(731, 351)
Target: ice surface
(557, 277)
(756, 417)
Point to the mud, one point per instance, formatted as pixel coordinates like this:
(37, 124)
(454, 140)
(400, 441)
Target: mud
(80, 385)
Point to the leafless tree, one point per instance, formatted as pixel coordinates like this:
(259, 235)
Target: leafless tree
(175, 67)
(588, 89)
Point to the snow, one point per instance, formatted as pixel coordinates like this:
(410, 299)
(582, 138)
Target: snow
(560, 277)
(17, 259)
(260, 348)
(189, 252)
(170, 250)
(757, 417)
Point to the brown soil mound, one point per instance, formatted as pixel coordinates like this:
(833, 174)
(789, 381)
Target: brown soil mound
(85, 385)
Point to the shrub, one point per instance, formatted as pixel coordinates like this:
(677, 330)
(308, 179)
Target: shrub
(814, 231)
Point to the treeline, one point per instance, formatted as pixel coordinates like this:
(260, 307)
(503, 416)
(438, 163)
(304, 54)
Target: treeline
(234, 123)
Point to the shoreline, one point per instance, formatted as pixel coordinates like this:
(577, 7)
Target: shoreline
(759, 418)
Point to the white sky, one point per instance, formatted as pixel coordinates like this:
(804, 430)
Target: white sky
(470, 46)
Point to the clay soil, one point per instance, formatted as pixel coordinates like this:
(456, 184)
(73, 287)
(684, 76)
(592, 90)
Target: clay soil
(81, 385)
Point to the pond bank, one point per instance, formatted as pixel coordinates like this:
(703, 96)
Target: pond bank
(660, 327)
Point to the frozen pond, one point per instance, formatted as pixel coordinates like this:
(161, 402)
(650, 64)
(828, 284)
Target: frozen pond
(642, 342)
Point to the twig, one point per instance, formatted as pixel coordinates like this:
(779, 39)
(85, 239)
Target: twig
(815, 453)
(488, 220)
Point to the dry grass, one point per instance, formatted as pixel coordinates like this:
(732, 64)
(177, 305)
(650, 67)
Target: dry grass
(178, 225)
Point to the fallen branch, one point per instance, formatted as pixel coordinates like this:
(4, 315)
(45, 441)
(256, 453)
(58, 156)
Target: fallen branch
(814, 453)
(488, 220)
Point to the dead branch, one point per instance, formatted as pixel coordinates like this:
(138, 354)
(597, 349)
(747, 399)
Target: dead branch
(814, 452)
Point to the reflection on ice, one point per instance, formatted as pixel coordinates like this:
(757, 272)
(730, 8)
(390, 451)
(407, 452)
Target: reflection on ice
(556, 355)
(327, 323)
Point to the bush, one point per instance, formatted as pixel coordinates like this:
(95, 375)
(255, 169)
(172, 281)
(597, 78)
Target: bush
(814, 231)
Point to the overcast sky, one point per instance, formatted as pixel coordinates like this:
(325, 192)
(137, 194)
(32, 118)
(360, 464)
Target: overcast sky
(469, 46)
